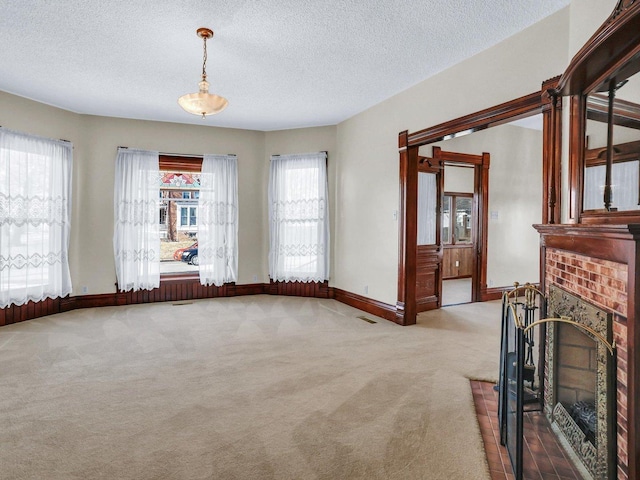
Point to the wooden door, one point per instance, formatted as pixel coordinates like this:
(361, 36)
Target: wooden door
(458, 235)
(429, 239)
(457, 261)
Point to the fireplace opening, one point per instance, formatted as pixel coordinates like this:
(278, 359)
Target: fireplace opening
(579, 385)
(576, 378)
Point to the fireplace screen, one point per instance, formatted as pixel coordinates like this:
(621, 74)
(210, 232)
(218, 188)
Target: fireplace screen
(570, 376)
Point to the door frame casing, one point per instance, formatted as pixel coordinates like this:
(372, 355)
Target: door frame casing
(480, 227)
(544, 102)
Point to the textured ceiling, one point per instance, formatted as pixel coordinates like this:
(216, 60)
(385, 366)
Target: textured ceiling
(280, 63)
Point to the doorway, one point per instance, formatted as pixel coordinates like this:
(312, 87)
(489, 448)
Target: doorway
(409, 145)
(464, 221)
(458, 238)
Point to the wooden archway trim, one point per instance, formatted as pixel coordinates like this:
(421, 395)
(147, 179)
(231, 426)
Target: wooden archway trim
(545, 101)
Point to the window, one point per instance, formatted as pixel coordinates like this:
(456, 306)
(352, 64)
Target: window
(179, 191)
(35, 192)
(299, 220)
(175, 230)
(200, 230)
(456, 219)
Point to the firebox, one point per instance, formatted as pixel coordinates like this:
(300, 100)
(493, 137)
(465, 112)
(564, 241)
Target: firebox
(579, 386)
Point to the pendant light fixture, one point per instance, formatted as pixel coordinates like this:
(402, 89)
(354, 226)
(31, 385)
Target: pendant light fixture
(203, 103)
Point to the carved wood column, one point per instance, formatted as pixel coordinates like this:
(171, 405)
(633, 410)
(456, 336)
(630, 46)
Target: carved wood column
(408, 232)
(552, 151)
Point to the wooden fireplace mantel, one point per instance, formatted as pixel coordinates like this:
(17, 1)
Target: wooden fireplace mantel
(614, 242)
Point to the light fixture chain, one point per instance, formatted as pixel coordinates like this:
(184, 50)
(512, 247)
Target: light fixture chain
(204, 60)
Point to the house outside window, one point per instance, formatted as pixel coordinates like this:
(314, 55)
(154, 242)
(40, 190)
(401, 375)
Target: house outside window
(179, 193)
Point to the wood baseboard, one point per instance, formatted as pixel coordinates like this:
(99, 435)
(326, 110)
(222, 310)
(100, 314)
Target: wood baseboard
(369, 305)
(180, 289)
(488, 294)
(30, 310)
(300, 289)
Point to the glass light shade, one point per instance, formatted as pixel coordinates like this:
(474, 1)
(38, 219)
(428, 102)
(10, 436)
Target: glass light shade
(203, 103)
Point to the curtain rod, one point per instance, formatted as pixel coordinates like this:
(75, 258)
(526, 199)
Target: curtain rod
(188, 155)
(321, 151)
(60, 139)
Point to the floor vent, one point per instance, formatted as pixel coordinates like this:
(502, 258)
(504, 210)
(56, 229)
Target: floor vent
(368, 320)
(179, 304)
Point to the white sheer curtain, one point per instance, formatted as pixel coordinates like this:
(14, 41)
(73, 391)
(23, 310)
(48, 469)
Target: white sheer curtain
(136, 239)
(427, 202)
(624, 186)
(35, 204)
(218, 220)
(299, 218)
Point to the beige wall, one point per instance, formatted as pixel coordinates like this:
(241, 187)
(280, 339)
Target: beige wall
(304, 140)
(96, 140)
(102, 136)
(366, 251)
(586, 17)
(515, 199)
(458, 179)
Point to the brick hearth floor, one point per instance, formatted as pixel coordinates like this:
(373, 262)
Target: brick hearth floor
(544, 459)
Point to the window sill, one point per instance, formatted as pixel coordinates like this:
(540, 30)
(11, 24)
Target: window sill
(174, 277)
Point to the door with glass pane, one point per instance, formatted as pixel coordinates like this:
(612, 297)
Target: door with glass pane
(457, 235)
(429, 254)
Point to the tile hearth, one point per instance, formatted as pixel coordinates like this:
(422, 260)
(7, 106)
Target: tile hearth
(544, 458)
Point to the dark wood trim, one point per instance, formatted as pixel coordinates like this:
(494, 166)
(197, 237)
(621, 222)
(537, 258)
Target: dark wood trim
(577, 145)
(482, 245)
(251, 289)
(610, 56)
(30, 310)
(623, 152)
(300, 289)
(481, 164)
(460, 194)
(90, 301)
(180, 163)
(493, 116)
(611, 42)
(546, 101)
(460, 159)
(185, 289)
(625, 113)
(374, 307)
(599, 241)
(494, 293)
(551, 152)
(408, 232)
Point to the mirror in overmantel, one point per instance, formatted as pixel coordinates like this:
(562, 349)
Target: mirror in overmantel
(612, 153)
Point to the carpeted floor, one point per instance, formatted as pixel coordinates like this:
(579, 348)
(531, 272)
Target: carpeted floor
(244, 388)
(456, 291)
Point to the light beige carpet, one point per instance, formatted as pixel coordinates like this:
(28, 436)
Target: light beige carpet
(244, 388)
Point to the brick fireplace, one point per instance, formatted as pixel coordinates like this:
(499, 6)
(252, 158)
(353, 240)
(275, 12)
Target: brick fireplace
(598, 264)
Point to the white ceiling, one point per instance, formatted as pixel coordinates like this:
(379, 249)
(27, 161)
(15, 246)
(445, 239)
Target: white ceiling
(280, 63)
